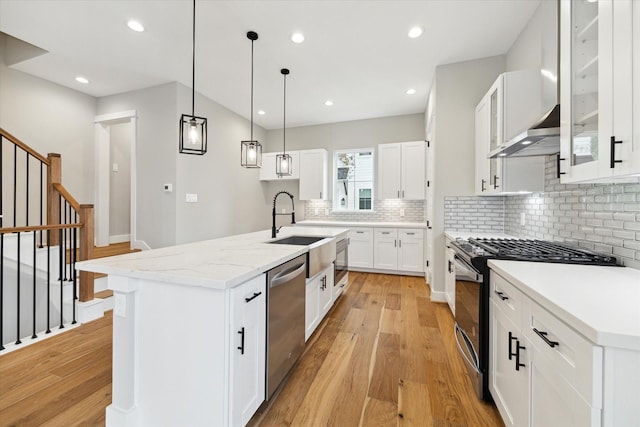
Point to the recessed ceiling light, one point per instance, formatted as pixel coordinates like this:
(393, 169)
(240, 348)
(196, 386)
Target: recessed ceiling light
(297, 37)
(261, 112)
(81, 79)
(328, 103)
(411, 92)
(135, 26)
(415, 32)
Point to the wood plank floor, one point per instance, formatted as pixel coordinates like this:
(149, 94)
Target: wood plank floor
(384, 356)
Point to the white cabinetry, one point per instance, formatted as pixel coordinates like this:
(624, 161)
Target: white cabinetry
(600, 95)
(318, 299)
(248, 332)
(450, 278)
(313, 174)
(401, 170)
(500, 116)
(542, 372)
(268, 169)
(361, 247)
(399, 249)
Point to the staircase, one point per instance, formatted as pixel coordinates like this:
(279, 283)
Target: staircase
(43, 232)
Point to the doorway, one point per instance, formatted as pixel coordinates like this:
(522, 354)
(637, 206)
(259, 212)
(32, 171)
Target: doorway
(115, 166)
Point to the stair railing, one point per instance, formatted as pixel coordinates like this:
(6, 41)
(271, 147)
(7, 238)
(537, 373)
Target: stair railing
(69, 226)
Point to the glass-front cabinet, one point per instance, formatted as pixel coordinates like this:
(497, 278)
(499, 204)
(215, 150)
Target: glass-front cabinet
(598, 66)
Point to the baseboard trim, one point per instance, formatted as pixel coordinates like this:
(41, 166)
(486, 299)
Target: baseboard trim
(121, 238)
(140, 244)
(396, 272)
(438, 296)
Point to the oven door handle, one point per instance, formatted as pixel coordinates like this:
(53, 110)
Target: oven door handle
(468, 344)
(464, 270)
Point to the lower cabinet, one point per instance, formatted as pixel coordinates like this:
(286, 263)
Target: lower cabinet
(544, 373)
(398, 249)
(248, 332)
(361, 247)
(318, 299)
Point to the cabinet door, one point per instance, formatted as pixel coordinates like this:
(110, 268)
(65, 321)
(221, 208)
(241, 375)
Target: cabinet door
(410, 250)
(313, 174)
(361, 247)
(312, 307)
(496, 133)
(482, 146)
(509, 385)
(325, 300)
(554, 401)
(389, 182)
(248, 350)
(450, 280)
(385, 250)
(413, 170)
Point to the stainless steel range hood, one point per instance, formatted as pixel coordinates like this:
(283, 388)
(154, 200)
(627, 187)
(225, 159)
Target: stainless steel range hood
(542, 139)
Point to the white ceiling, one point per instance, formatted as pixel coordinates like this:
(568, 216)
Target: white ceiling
(356, 53)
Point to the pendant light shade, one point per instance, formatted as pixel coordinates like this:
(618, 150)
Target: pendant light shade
(193, 129)
(283, 161)
(251, 151)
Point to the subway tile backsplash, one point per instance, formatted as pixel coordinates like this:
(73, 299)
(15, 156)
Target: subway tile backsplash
(600, 217)
(384, 210)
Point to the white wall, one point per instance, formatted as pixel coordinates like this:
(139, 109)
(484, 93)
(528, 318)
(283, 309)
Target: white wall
(51, 119)
(120, 182)
(458, 89)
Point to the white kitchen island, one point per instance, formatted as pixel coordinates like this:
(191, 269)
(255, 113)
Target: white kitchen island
(181, 315)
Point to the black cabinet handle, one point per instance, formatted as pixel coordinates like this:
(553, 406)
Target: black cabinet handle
(241, 348)
(511, 338)
(255, 295)
(495, 181)
(613, 152)
(449, 266)
(543, 335)
(518, 348)
(483, 182)
(558, 160)
(501, 295)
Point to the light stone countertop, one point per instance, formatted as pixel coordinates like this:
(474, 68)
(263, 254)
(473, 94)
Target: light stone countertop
(220, 263)
(601, 303)
(363, 224)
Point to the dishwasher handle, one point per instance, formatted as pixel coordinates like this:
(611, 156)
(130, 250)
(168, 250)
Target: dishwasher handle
(286, 275)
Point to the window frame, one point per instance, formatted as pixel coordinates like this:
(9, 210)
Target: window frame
(334, 180)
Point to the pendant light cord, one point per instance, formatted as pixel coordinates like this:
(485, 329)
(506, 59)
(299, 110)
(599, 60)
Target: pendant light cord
(284, 118)
(251, 91)
(193, 64)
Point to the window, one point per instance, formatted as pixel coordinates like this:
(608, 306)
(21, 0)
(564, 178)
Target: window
(353, 184)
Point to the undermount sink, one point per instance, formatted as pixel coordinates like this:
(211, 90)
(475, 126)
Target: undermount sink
(298, 240)
(319, 256)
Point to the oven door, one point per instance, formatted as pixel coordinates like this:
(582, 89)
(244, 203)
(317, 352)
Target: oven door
(467, 326)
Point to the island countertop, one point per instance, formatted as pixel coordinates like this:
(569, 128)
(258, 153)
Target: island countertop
(220, 263)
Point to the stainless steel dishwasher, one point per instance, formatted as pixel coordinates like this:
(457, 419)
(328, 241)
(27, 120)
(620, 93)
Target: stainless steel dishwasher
(285, 319)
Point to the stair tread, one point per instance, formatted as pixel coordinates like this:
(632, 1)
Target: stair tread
(104, 294)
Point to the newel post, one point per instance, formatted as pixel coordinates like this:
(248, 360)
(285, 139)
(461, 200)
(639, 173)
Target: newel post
(54, 176)
(86, 251)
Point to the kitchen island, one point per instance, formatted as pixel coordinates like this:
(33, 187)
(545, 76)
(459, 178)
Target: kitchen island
(189, 328)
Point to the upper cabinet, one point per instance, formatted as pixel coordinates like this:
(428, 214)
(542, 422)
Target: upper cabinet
(268, 169)
(313, 174)
(401, 170)
(500, 116)
(600, 90)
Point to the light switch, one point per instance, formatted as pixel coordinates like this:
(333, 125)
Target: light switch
(120, 305)
(192, 198)
(168, 188)
(114, 167)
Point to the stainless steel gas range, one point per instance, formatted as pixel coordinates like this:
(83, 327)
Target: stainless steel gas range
(472, 290)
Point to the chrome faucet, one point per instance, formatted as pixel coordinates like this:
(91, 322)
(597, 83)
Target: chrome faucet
(273, 213)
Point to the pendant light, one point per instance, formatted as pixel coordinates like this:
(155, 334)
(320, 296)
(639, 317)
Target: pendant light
(193, 129)
(251, 151)
(283, 161)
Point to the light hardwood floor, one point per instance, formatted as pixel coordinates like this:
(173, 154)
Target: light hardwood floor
(384, 356)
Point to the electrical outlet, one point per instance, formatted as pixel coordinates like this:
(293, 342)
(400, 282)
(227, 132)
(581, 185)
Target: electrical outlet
(316, 211)
(522, 219)
(326, 211)
(115, 167)
(401, 212)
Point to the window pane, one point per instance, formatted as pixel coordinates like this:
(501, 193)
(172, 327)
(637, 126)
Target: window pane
(353, 180)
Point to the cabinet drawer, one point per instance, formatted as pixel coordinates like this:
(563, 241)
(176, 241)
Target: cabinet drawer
(410, 233)
(574, 357)
(507, 298)
(361, 234)
(386, 233)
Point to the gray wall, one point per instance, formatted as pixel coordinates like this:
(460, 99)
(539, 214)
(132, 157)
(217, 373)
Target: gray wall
(51, 119)
(340, 136)
(120, 182)
(458, 89)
